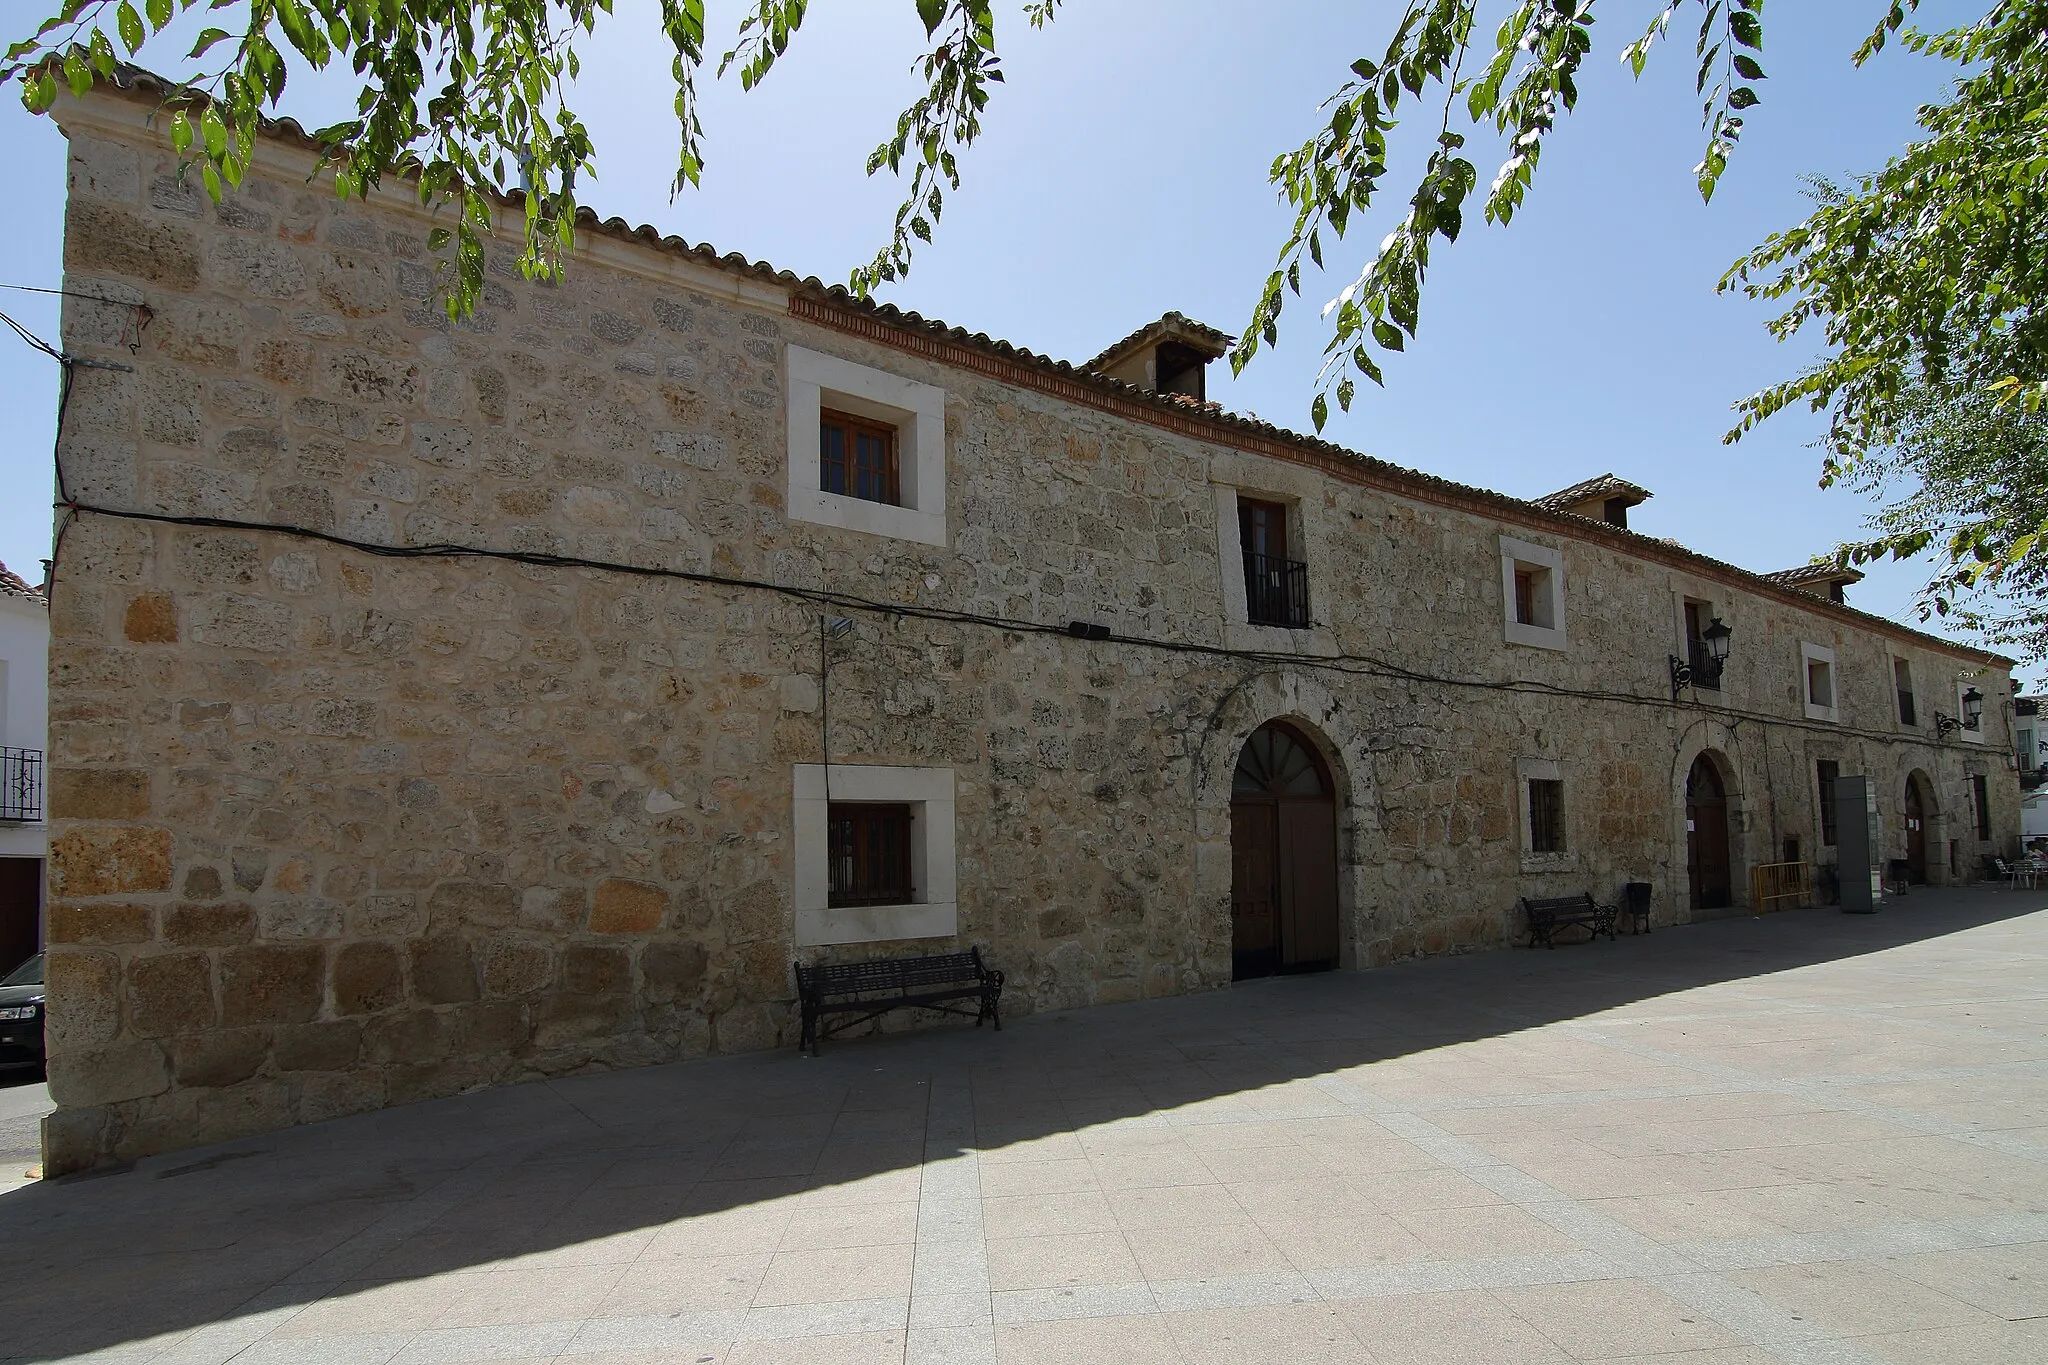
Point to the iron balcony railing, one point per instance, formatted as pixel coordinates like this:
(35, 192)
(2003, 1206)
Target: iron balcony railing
(1275, 591)
(21, 785)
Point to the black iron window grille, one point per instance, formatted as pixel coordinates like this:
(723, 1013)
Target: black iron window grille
(21, 785)
(869, 851)
(1546, 815)
(1275, 591)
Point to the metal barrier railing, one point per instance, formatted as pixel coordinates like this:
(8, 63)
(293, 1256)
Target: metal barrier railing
(1779, 886)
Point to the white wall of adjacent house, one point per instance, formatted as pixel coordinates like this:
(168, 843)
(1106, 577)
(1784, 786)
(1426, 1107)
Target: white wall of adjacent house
(24, 705)
(2034, 816)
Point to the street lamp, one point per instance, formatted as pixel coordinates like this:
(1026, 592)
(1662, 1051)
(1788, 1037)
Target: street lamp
(1973, 715)
(1714, 640)
(1717, 636)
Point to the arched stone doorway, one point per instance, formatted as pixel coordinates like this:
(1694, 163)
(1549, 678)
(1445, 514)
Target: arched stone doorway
(1706, 837)
(1919, 807)
(1283, 856)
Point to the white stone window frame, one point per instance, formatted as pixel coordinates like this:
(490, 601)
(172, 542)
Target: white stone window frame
(1921, 720)
(929, 794)
(1963, 732)
(1235, 475)
(1230, 549)
(1522, 554)
(1809, 655)
(1529, 770)
(916, 411)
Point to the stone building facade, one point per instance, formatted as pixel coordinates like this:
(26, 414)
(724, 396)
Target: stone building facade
(334, 829)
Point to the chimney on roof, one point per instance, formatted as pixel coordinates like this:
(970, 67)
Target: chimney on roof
(1605, 498)
(1171, 355)
(1823, 579)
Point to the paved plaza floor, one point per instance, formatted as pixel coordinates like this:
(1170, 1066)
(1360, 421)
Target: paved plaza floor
(1809, 1137)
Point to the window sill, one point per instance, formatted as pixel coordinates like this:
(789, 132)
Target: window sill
(1309, 639)
(876, 923)
(1832, 715)
(1536, 637)
(1549, 862)
(871, 518)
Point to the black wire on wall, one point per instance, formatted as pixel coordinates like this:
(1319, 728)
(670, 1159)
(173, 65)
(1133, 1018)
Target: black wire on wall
(1349, 664)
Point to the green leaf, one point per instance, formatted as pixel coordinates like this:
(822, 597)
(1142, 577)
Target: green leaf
(206, 40)
(214, 132)
(130, 25)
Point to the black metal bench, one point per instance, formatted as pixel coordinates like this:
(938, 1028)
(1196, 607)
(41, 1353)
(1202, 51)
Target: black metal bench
(1548, 914)
(868, 990)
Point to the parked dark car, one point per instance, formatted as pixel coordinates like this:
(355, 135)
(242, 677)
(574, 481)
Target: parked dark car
(21, 1015)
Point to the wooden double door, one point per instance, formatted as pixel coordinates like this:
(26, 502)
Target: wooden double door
(1916, 831)
(1706, 837)
(1283, 857)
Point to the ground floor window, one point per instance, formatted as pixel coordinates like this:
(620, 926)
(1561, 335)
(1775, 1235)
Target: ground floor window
(873, 854)
(1546, 815)
(1980, 796)
(1827, 770)
(869, 853)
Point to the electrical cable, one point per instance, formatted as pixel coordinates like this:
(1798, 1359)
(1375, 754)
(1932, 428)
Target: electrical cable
(1350, 664)
(1356, 665)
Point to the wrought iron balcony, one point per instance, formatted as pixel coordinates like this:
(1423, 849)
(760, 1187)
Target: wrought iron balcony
(1275, 592)
(1704, 670)
(21, 786)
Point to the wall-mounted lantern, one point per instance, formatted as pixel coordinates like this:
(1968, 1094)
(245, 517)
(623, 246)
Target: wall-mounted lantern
(1972, 719)
(1714, 639)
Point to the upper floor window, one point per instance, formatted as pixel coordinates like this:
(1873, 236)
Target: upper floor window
(857, 458)
(1818, 685)
(1902, 682)
(1532, 589)
(1275, 586)
(1706, 669)
(867, 449)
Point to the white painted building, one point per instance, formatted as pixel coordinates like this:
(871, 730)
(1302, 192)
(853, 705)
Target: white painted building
(24, 734)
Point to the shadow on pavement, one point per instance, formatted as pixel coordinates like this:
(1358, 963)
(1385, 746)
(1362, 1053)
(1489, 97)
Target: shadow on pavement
(534, 1171)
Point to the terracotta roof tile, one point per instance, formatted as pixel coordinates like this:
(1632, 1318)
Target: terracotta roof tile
(13, 584)
(1604, 486)
(1824, 572)
(1172, 326)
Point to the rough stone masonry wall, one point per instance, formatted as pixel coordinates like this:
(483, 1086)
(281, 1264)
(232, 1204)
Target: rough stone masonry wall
(333, 831)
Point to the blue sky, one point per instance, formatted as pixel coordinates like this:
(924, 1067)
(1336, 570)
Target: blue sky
(1124, 174)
